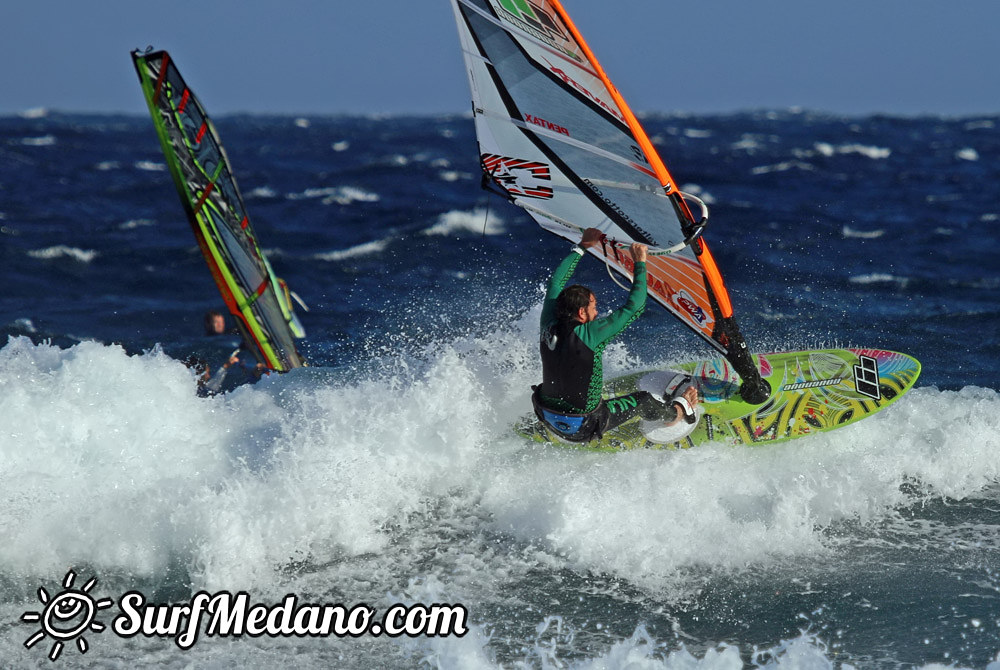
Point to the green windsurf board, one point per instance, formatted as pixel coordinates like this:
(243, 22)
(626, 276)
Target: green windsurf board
(811, 392)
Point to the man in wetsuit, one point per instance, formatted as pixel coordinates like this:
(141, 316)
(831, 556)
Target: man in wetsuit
(215, 325)
(572, 347)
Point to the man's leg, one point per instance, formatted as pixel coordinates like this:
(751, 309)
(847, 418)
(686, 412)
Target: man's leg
(640, 403)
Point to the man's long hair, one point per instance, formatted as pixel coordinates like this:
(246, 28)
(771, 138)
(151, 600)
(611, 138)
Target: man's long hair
(570, 301)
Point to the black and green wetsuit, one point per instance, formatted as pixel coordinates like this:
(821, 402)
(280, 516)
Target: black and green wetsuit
(572, 363)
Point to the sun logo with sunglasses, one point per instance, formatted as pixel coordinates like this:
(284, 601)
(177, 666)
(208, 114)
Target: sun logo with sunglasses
(67, 616)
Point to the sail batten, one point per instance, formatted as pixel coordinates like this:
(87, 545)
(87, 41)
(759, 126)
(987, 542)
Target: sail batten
(557, 136)
(256, 298)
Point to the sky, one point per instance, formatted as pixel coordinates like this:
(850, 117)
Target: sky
(853, 57)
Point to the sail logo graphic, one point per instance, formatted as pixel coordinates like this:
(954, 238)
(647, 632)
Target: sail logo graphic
(866, 378)
(518, 176)
(610, 108)
(686, 303)
(67, 616)
(818, 383)
(544, 123)
(532, 18)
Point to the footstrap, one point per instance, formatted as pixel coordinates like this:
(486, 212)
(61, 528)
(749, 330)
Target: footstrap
(689, 414)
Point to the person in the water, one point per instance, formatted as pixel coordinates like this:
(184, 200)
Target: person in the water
(242, 358)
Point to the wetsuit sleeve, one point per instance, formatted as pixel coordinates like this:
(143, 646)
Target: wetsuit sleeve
(555, 286)
(596, 333)
(215, 383)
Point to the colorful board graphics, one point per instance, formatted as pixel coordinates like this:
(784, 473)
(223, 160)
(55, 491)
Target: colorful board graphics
(812, 391)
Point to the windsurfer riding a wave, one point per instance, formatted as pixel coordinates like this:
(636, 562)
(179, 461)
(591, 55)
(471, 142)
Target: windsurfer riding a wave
(572, 345)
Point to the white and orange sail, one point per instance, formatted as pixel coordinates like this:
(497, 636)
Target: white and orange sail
(558, 138)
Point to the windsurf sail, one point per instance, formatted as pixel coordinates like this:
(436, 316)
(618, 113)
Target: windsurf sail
(558, 139)
(260, 302)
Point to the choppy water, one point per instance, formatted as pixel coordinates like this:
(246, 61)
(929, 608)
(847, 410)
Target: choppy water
(387, 472)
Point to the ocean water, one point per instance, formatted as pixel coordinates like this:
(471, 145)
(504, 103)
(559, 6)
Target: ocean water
(387, 472)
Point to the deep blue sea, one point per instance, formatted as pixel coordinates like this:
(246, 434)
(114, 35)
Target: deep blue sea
(387, 471)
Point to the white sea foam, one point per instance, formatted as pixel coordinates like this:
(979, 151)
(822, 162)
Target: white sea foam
(749, 143)
(454, 175)
(556, 643)
(784, 166)
(61, 250)
(34, 113)
(111, 461)
(479, 221)
(875, 153)
(366, 249)
(847, 231)
(25, 324)
(341, 195)
(262, 192)
(879, 278)
(132, 224)
(967, 154)
(697, 190)
(297, 468)
(943, 197)
(150, 166)
(341, 145)
(42, 141)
